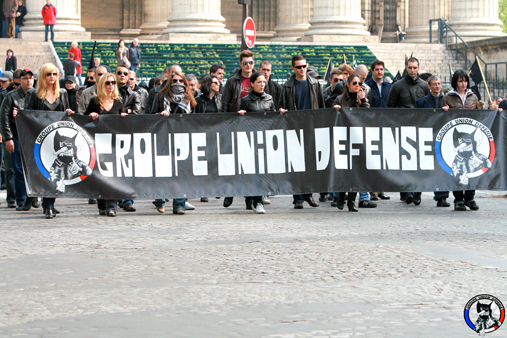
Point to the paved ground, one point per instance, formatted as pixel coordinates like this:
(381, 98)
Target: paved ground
(396, 270)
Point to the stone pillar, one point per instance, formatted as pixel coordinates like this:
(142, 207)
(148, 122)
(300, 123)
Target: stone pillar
(420, 14)
(476, 19)
(132, 18)
(338, 18)
(68, 21)
(156, 13)
(197, 21)
(293, 19)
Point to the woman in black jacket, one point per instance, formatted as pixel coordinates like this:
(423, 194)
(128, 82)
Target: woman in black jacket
(21, 12)
(11, 63)
(257, 101)
(210, 101)
(50, 97)
(354, 95)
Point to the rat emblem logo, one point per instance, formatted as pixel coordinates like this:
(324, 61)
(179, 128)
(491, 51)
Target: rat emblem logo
(64, 154)
(484, 314)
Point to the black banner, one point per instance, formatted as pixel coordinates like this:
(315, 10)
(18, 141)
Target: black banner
(195, 155)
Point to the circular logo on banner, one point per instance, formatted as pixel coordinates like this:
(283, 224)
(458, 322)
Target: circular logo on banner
(249, 32)
(484, 314)
(465, 149)
(64, 154)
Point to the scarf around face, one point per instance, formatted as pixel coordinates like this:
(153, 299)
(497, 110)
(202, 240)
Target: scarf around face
(178, 91)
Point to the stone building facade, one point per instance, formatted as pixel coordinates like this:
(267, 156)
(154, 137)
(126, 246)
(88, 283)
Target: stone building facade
(276, 20)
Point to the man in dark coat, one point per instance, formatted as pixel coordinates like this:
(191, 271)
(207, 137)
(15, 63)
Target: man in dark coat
(301, 92)
(379, 88)
(143, 93)
(134, 55)
(238, 86)
(403, 94)
(72, 88)
(272, 88)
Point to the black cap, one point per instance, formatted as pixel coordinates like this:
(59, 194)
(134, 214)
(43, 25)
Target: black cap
(26, 71)
(70, 78)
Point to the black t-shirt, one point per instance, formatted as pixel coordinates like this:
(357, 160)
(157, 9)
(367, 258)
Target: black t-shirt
(94, 107)
(302, 91)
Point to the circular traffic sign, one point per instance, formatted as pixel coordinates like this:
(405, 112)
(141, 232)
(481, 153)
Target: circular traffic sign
(249, 32)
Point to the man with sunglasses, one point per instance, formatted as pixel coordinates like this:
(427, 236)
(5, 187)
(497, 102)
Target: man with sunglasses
(301, 92)
(336, 77)
(238, 86)
(272, 88)
(14, 101)
(131, 105)
(143, 93)
(218, 71)
(88, 93)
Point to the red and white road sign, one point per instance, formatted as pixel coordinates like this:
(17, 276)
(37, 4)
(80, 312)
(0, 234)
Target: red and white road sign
(249, 32)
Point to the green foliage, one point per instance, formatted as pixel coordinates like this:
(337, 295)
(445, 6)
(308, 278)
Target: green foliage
(502, 11)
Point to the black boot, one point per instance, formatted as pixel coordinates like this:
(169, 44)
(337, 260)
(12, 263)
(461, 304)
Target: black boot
(340, 203)
(351, 198)
(49, 213)
(352, 206)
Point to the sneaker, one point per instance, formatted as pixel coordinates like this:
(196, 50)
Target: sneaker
(266, 200)
(259, 209)
(460, 206)
(189, 206)
(442, 202)
(204, 199)
(367, 204)
(472, 205)
(409, 198)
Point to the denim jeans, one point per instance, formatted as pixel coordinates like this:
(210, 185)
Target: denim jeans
(4, 29)
(80, 79)
(178, 203)
(52, 32)
(17, 30)
(133, 67)
(19, 179)
(364, 196)
(440, 194)
(9, 175)
(128, 201)
(301, 198)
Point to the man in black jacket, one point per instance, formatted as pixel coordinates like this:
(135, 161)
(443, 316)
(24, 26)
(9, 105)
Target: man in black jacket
(143, 93)
(299, 93)
(72, 88)
(238, 86)
(134, 55)
(14, 101)
(404, 94)
(218, 71)
(272, 88)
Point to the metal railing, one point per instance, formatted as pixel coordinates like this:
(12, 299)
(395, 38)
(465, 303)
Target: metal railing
(494, 72)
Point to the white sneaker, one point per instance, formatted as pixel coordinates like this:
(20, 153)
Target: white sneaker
(189, 206)
(265, 200)
(259, 209)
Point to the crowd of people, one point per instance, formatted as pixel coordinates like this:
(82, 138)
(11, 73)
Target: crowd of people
(250, 89)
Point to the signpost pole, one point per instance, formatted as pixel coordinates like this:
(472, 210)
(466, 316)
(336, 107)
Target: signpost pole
(245, 4)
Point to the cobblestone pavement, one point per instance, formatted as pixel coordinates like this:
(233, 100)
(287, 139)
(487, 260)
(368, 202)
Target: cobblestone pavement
(397, 270)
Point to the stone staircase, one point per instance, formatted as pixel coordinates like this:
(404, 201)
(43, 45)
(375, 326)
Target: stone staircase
(433, 58)
(30, 54)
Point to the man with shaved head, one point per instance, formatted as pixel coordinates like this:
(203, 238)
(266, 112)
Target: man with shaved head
(90, 92)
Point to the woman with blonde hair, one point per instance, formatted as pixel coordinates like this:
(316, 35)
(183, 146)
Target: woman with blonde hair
(49, 96)
(107, 101)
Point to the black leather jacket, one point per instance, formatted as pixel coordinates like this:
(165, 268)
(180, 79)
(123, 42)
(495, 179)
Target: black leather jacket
(256, 103)
(275, 90)
(34, 103)
(406, 91)
(151, 97)
(14, 99)
(232, 93)
(203, 101)
(131, 99)
(143, 96)
(339, 89)
(288, 98)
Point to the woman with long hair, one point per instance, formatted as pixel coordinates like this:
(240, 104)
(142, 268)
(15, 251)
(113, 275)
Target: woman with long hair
(462, 97)
(353, 95)
(122, 54)
(210, 100)
(77, 57)
(174, 98)
(107, 101)
(50, 97)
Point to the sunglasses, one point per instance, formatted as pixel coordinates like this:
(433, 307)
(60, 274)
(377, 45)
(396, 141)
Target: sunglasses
(124, 73)
(100, 74)
(299, 67)
(337, 80)
(110, 83)
(248, 63)
(68, 82)
(49, 74)
(91, 78)
(355, 83)
(132, 79)
(16, 84)
(177, 80)
(215, 82)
